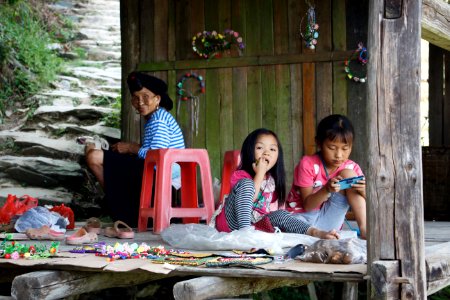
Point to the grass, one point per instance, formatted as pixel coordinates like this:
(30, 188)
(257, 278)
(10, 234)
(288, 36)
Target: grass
(26, 62)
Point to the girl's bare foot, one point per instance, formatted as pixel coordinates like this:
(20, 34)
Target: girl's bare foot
(327, 235)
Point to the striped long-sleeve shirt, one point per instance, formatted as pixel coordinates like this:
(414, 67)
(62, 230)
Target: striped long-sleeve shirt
(161, 131)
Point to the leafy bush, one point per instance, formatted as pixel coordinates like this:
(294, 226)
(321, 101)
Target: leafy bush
(26, 62)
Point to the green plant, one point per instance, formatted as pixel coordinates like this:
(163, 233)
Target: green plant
(59, 132)
(103, 101)
(114, 119)
(81, 52)
(8, 144)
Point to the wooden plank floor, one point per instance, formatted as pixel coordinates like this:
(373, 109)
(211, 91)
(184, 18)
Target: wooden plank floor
(435, 233)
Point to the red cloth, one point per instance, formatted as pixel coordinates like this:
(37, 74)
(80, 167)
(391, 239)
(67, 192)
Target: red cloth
(16, 206)
(65, 212)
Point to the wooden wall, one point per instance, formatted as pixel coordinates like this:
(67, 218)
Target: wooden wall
(277, 83)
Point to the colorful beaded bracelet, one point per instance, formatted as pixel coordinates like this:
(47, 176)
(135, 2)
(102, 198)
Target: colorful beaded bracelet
(361, 54)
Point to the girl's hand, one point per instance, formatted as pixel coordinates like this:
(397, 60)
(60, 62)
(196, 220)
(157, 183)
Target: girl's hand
(332, 185)
(261, 166)
(360, 187)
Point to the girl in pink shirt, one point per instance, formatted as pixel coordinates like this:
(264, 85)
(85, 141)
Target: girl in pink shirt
(315, 196)
(258, 188)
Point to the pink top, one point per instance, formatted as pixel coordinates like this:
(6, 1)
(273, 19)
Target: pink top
(310, 172)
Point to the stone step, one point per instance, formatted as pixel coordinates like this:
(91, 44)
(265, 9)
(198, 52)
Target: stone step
(44, 196)
(57, 148)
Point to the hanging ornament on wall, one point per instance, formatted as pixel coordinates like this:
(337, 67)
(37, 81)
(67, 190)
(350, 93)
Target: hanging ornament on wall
(355, 65)
(310, 33)
(184, 95)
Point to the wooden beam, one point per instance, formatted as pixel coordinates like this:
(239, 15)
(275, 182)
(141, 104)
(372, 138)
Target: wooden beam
(247, 61)
(61, 284)
(436, 23)
(394, 176)
(437, 267)
(210, 287)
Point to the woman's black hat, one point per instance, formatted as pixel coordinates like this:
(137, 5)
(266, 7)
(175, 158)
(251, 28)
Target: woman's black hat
(138, 80)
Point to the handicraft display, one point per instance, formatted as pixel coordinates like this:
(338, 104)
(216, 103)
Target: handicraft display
(184, 94)
(310, 32)
(355, 65)
(210, 44)
(10, 249)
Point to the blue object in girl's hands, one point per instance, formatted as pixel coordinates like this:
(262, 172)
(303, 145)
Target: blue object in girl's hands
(347, 182)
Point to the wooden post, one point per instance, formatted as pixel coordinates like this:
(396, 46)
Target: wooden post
(394, 177)
(129, 23)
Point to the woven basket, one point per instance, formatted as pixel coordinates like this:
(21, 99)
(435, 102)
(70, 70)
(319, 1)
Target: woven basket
(436, 183)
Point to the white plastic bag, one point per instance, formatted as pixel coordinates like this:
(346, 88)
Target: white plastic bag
(203, 237)
(343, 251)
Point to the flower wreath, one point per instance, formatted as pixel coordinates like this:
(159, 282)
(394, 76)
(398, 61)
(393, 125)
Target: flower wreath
(361, 54)
(185, 95)
(209, 44)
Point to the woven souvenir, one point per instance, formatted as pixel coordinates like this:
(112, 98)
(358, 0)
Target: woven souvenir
(190, 254)
(181, 261)
(236, 261)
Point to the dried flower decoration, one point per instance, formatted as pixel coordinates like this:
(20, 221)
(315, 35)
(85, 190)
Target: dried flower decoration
(210, 44)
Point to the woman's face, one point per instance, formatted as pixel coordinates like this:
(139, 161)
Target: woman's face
(145, 102)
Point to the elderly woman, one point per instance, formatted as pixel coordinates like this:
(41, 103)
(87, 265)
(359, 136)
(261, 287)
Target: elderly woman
(119, 171)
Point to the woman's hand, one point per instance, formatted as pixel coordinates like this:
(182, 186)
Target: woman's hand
(125, 148)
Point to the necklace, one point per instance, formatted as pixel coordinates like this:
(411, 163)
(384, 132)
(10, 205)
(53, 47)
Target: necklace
(310, 33)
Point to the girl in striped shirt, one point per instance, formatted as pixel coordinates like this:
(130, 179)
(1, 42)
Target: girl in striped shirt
(258, 190)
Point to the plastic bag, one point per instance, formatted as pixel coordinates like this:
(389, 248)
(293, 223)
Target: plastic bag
(344, 251)
(16, 206)
(39, 216)
(66, 212)
(204, 237)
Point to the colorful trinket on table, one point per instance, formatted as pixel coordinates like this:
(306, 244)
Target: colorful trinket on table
(359, 59)
(311, 32)
(184, 94)
(13, 250)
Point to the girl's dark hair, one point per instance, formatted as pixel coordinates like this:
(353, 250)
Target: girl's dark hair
(277, 171)
(335, 127)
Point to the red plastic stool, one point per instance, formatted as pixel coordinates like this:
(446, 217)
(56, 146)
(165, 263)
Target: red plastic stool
(231, 161)
(162, 210)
